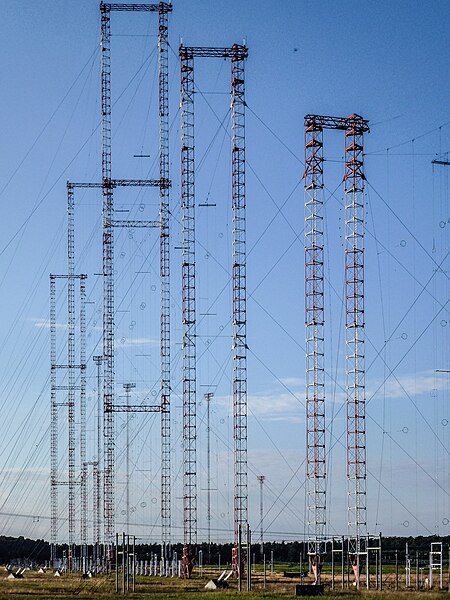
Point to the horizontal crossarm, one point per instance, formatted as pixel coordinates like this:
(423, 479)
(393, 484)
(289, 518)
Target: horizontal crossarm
(235, 52)
(161, 7)
(341, 123)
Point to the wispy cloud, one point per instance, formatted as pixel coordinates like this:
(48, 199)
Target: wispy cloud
(293, 382)
(277, 405)
(288, 405)
(142, 341)
(273, 405)
(121, 342)
(45, 324)
(412, 384)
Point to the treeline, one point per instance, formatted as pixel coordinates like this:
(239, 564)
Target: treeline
(23, 550)
(421, 544)
(393, 548)
(26, 551)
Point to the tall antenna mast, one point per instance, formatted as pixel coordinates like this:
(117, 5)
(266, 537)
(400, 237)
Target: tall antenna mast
(188, 312)
(354, 327)
(354, 128)
(237, 55)
(70, 388)
(108, 277)
(84, 464)
(71, 360)
(108, 185)
(314, 326)
(163, 67)
(53, 426)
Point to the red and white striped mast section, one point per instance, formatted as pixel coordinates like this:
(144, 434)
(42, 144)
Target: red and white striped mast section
(315, 354)
(354, 128)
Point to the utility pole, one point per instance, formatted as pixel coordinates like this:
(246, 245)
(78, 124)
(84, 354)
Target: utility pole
(128, 387)
(208, 397)
(261, 479)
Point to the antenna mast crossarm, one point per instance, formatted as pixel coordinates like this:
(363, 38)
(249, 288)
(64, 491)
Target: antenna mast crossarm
(161, 7)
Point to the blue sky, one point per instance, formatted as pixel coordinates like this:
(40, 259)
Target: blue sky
(386, 61)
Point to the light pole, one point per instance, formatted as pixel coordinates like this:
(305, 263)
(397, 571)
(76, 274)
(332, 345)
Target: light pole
(261, 479)
(128, 387)
(208, 398)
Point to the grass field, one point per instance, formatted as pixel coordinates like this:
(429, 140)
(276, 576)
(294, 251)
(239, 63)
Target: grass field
(46, 587)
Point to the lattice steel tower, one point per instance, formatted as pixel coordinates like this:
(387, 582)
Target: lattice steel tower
(354, 326)
(108, 279)
(188, 312)
(237, 55)
(314, 325)
(163, 76)
(97, 528)
(53, 425)
(354, 128)
(71, 318)
(108, 184)
(70, 387)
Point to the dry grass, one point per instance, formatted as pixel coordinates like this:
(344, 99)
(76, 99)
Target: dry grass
(47, 587)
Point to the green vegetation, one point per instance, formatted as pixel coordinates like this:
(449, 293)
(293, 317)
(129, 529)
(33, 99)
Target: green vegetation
(23, 550)
(287, 556)
(47, 587)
